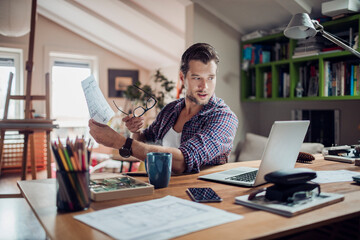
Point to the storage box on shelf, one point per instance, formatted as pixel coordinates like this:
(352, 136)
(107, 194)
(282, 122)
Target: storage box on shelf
(301, 70)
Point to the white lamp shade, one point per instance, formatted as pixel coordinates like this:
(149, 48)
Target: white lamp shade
(15, 17)
(300, 27)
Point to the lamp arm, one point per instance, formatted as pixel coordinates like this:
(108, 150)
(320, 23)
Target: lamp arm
(339, 43)
(328, 36)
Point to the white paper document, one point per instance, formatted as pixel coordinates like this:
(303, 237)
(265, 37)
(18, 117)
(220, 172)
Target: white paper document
(334, 176)
(162, 218)
(99, 108)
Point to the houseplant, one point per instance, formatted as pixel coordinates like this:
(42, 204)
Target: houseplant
(162, 91)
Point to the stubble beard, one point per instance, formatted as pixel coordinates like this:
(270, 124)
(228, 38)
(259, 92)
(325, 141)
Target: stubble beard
(193, 99)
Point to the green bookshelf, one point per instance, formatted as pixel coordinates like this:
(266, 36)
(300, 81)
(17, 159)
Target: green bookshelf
(323, 76)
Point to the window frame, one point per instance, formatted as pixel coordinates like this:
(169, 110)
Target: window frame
(54, 56)
(18, 56)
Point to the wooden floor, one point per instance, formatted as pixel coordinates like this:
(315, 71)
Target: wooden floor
(8, 182)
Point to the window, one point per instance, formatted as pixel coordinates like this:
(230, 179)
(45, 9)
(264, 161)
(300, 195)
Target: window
(11, 60)
(68, 104)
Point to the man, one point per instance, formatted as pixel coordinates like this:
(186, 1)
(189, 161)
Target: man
(198, 130)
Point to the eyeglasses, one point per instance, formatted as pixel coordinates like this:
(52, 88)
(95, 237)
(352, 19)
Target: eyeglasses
(139, 111)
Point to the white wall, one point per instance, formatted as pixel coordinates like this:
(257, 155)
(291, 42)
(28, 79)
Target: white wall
(202, 26)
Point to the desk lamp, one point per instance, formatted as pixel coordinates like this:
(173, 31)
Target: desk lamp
(302, 27)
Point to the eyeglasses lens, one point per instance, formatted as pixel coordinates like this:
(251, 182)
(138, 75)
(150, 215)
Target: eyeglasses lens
(139, 111)
(150, 103)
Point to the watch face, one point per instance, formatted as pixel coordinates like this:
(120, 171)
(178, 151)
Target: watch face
(125, 152)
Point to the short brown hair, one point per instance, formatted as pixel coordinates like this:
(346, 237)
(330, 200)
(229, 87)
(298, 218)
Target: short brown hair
(199, 51)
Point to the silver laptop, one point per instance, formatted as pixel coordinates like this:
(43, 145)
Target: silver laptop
(281, 151)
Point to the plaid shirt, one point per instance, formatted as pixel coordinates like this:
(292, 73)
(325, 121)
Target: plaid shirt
(206, 139)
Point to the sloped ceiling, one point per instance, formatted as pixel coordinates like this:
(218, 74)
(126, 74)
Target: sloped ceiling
(151, 33)
(128, 28)
(249, 15)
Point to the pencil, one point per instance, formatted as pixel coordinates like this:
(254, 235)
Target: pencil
(72, 161)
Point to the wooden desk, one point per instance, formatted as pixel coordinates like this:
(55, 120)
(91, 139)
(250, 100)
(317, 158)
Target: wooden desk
(41, 195)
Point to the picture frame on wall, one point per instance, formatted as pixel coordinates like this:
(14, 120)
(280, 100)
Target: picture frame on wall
(119, 80)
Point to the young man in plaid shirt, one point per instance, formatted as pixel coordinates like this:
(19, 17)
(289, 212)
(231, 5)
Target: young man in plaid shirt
(198, 129)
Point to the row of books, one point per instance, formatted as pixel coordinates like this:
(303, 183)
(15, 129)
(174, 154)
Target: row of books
(257, 53)
(284, 84)
(308, 80)
(341, 78)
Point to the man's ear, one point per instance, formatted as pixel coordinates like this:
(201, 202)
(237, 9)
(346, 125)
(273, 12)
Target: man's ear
(182, 77)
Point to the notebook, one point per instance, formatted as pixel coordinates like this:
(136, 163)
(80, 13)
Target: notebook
(281, 151)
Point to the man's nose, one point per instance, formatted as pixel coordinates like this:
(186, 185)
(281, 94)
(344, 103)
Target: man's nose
(203, 84)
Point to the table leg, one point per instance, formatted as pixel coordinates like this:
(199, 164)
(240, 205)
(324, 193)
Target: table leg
(2, 139)
(24, 159)
(48, 154)
(32, 155)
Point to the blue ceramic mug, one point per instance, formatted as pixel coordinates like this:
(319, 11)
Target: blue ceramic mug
(158, 168)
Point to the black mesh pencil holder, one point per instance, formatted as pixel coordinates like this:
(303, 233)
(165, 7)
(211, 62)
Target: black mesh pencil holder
(72, 193)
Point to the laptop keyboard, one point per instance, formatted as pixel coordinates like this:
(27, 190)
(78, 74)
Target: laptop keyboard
(244, 177)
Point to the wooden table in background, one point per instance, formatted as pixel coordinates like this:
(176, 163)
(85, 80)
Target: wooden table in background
(41, 196)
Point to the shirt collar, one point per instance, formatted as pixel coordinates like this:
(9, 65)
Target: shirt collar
(213, 101)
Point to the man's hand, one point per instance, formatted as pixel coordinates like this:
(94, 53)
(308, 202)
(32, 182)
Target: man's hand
(134, 124)
(105, 135)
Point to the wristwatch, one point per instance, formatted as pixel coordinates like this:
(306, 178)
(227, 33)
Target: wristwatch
(125, 151)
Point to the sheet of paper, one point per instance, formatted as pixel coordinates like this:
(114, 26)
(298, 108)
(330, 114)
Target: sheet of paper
(334, 176)
(162, 218)
(99, 108)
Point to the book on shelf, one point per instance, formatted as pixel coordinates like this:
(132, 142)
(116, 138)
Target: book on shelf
(290, 209)
(284, 83)
(309, 79)
(326, 79)
(306, 53)
(313, 88)
(267, 85)
(331, 49)
(108, 186)
(308, 48)
(341, 78)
